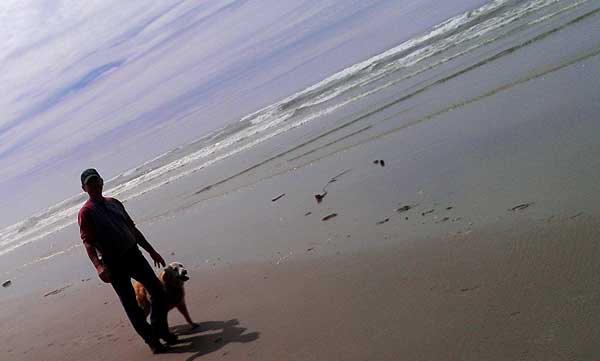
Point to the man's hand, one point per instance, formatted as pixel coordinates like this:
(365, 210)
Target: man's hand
(103, 273)
(157, 258)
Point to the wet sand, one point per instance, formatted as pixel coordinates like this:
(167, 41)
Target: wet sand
(520, 293)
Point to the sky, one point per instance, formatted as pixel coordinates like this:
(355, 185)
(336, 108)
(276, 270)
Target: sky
(111, 83)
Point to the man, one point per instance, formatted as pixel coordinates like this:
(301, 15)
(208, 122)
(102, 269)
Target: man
(111, 240)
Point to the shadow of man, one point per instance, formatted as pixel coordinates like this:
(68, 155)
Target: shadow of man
(200, 342)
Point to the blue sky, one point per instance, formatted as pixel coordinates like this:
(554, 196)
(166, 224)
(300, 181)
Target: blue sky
(111, 83)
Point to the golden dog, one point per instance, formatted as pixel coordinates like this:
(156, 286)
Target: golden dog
(172, 278)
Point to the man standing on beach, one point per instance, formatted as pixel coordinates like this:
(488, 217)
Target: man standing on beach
(111, 240)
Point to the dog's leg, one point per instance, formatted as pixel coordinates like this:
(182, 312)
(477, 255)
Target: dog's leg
(184, 311)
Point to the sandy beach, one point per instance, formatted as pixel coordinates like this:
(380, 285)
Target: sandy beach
(457, 219)
(528, 293)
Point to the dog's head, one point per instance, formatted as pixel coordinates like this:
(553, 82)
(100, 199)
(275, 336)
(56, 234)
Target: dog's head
(175, 274)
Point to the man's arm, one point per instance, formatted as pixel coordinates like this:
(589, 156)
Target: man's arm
(86, 231)
(141, 240)
(93, 255)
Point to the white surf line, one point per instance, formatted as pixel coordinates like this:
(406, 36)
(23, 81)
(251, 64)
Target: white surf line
(268, 112)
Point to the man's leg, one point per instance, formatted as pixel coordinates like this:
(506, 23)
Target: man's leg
(121, 283)
(143, 273)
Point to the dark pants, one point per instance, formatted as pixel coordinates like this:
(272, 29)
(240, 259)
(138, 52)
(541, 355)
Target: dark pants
(133, 265)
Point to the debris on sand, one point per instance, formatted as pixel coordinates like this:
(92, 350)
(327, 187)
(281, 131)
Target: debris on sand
(6, 283)
(576, 215)
(403, 209)
(383, 221)
(449, 208)
(278, 197)
(203, 190)
(328, 217)
(521, 207)
(428, 212)
(468, 289)
(307, 213)
(319, 197)
(57, 291)
(310, 249)
(381, 162)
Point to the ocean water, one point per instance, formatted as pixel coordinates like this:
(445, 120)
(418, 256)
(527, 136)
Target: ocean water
(323, 118)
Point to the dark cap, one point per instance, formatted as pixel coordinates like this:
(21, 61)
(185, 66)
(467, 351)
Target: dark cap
(88, 174)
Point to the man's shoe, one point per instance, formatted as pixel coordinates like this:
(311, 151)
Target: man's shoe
(157, 347)
(170, 338)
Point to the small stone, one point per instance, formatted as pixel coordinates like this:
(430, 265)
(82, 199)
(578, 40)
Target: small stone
(278, 197)
(6, 283)
(328, 217)
(521, 207)
(319, 197)
(403, 209)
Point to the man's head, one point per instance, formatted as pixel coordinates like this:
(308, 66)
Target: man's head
(92, 183)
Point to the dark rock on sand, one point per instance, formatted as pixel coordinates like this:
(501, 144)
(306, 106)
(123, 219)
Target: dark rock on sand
(278, 197)
(427, 212)
(403, 209)
(57, 291)
(328, 217)
(319, 197)
(383, 221)
(521, 207)
(7, 283)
